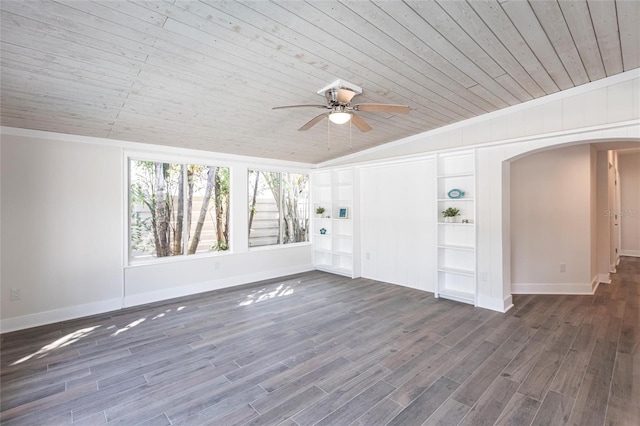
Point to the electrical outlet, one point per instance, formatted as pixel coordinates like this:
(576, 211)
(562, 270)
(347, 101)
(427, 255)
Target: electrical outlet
(563, 267)
(367, 255)
(15, 294)
(484, 276)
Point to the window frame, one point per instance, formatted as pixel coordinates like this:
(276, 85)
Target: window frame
(280, 171)
(128, 157)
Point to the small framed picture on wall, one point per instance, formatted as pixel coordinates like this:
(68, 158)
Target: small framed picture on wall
(343, 213)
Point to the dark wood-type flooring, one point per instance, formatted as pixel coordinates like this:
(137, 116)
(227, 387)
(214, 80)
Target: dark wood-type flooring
(322, 349)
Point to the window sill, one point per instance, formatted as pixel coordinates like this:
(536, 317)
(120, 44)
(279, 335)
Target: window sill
(175, 259)
(279, 246)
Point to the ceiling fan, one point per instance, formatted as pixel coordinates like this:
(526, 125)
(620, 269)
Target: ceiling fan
(339, 95)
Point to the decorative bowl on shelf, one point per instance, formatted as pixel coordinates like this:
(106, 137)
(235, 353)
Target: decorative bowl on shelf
(455, 193)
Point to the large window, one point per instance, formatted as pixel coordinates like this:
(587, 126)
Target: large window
(278, 208)
(177, 209)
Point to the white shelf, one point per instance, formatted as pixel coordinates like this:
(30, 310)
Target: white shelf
(457, 271)
(458, 296)
(334, 251)
(456, 175)
(321, 250)
(454, 247)
(456, 252)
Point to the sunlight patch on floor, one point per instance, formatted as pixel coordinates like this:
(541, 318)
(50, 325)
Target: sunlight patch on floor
(129, 326)
(60, 343)
(260, 296)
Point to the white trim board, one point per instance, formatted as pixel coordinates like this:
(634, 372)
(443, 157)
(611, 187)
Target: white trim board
(604, 278)
(494, 304)
(631, 253)
(58, 315)
(556, 288)
(211, 285)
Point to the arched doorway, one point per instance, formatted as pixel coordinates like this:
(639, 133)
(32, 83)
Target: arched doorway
(494, 207)
(565, 218)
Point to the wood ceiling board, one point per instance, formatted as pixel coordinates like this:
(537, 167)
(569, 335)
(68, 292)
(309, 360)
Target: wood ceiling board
(629, 26)
(605, 25)
(496, 18)
(451, 79)
(400, 89)
(576, 14)
(416, 25)
(205, 75)
(533, 33)
(436, 96)
(450, 30)
(469, 20)
(555, 27)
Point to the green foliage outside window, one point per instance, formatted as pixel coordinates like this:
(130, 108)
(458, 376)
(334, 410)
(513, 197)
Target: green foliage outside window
(177, 208)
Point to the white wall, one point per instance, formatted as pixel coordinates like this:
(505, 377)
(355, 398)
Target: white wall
(397, 205)
(551, 209)
(61, 227)
(63, 239)
(629, 169)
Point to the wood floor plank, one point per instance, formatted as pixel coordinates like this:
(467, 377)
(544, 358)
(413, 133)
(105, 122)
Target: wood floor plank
(333, 351)
(380, 414)
(340, 396)
(357, 406)
(539, 380)
(591, 402)
(449, 413)
(519, 411)
(492, 403)
(426, 404)
(569, 376)
(555, 410)
(283, 393)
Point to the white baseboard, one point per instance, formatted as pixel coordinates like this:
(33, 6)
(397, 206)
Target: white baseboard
(78, 311)
(57, 315)
(494, 303)
(604, 278)
(631, 253)
(555, 288)
(188, 290)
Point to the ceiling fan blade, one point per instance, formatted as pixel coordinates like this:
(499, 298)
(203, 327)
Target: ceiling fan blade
(400, 109)
(300, 106)
(360, 123)
(345, 96)
(315, 120)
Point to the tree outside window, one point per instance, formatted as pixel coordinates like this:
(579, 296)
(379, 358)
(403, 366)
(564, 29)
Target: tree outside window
(177, 209)
(278, 208)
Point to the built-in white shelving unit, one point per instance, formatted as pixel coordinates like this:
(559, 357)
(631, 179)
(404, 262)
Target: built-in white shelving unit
(456, 245)
(334, 248)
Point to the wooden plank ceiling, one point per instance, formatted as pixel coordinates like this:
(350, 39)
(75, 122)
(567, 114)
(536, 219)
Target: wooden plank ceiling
(205, 75)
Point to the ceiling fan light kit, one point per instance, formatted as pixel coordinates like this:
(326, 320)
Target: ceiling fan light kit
(338, 96)
(339, 117)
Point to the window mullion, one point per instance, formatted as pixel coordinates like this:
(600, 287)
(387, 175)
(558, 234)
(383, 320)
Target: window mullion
(281, 239)
(185, 217)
